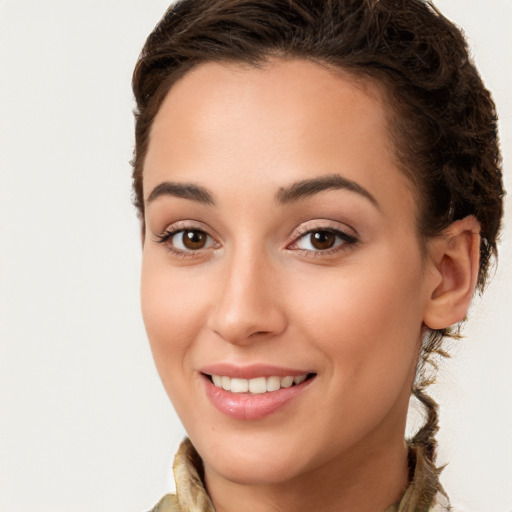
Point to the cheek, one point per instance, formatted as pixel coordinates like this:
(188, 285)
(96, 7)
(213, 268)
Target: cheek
(173, 313)
(367, 318)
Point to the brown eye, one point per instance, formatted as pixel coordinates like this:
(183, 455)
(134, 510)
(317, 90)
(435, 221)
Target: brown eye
(186, 241)
(322, 240)
(193, 240)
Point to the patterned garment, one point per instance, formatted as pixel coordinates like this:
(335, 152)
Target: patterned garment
(424, 493)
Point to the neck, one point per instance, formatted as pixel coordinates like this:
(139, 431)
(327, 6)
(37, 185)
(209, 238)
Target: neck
(369, 478)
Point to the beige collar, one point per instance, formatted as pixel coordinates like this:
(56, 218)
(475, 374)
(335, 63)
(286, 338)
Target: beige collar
(424, 493)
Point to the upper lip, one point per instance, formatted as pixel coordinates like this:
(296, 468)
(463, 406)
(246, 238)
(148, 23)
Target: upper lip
(251, 371)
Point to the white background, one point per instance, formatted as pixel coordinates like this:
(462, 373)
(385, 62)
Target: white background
(84, 423)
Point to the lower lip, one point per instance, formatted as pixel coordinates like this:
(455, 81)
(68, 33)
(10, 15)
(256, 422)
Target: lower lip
(244, 406)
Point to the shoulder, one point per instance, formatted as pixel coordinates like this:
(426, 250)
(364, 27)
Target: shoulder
(169, 503)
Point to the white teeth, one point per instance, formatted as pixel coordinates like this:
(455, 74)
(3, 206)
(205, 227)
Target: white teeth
(286, 382)
(226, 383)
(299, 379)
(239, 385)
(273, 383)
(257, 385)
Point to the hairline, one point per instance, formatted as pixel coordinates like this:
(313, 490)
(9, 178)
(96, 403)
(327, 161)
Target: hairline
(361, 77)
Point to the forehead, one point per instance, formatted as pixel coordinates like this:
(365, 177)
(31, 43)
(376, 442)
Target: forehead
(284, 121)
(288, 93)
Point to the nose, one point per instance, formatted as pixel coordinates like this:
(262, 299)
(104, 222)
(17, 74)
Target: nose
(249, 304)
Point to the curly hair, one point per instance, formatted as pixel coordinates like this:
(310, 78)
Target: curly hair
(441, 117)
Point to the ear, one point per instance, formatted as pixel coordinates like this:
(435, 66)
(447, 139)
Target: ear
(454, 260)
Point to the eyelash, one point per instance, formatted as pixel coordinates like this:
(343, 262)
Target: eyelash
(166, 237)
(344, 241)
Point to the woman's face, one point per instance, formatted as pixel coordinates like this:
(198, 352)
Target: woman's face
(281, 242)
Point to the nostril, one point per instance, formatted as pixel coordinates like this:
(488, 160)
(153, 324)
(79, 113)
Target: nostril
(260, 333)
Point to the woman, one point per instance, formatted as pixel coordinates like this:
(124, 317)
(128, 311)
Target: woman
(320, 192)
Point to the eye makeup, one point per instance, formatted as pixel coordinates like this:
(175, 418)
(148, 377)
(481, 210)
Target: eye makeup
(324, 238)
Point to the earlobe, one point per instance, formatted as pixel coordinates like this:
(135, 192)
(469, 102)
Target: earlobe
(455, 257)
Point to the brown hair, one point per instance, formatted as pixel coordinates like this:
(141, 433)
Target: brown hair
(442, 118)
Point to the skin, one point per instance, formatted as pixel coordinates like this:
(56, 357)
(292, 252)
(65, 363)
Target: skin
(259, 292)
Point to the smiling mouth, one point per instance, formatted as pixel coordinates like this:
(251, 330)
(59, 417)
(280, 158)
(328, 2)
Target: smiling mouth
(258, 385)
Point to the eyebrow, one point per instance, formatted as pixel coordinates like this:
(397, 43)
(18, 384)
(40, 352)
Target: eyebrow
(294, 192)
(305, 188)
(182, 190)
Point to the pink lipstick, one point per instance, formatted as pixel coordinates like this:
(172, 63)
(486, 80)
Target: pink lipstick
(255, 391)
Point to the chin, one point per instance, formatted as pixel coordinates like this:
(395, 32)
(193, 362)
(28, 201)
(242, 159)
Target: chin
(256, 471)
(253, 460)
